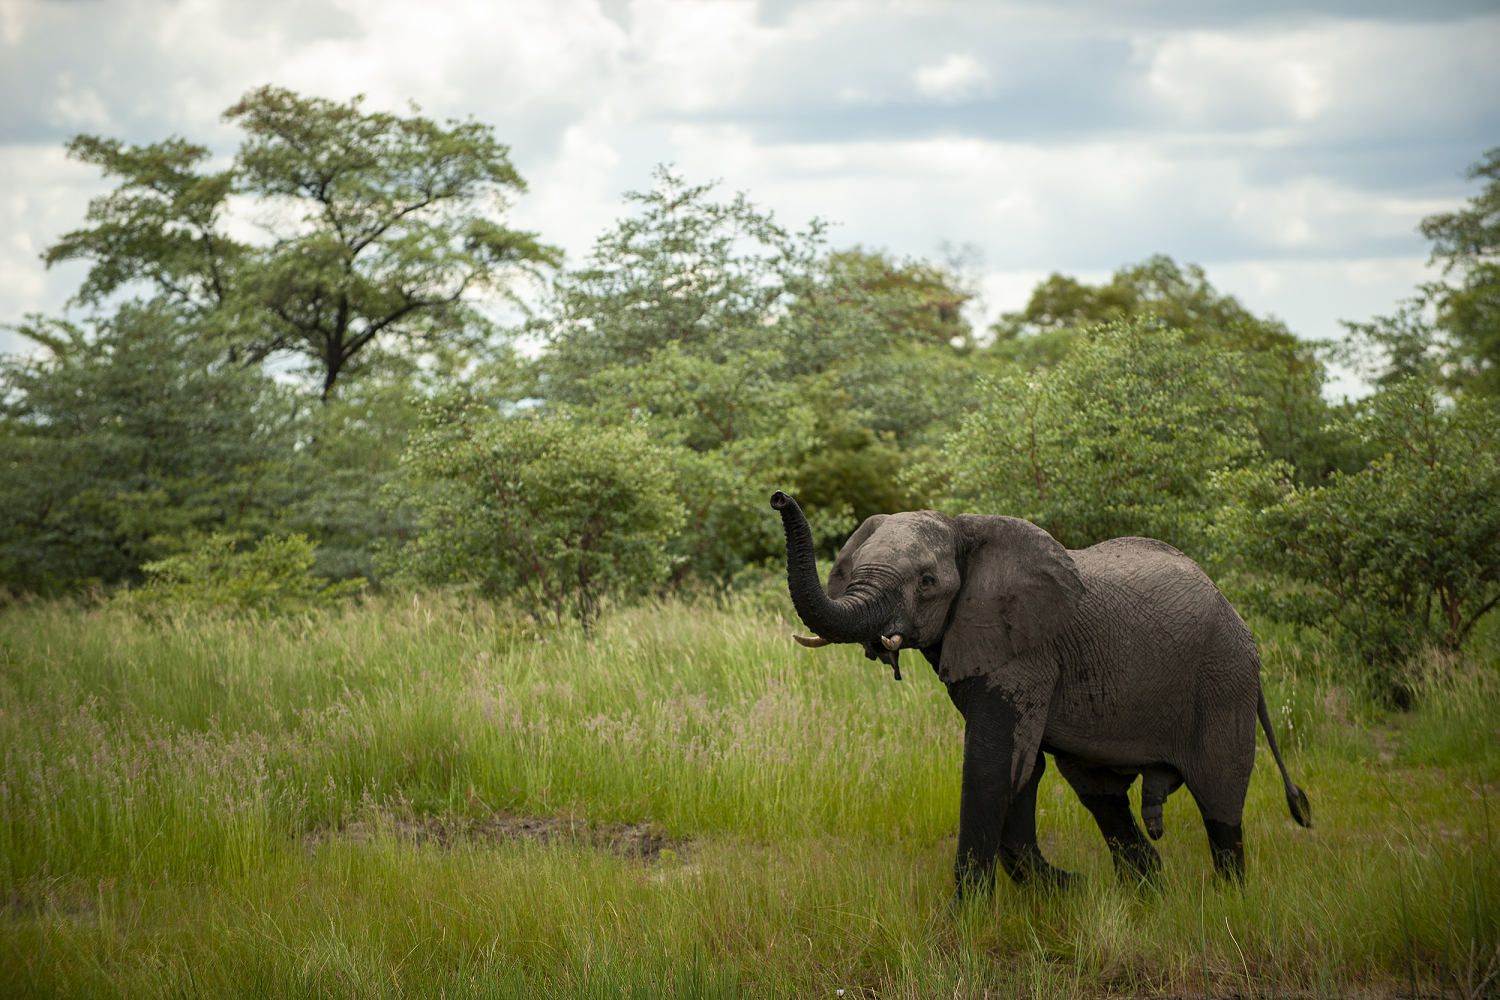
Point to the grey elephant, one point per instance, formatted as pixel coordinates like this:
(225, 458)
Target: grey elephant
(1119, 660)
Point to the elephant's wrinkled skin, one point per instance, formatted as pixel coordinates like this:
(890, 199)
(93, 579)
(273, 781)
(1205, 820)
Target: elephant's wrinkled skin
(1121, 659)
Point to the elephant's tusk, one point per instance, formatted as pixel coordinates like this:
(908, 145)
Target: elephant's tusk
(891, 641)
(811, 641)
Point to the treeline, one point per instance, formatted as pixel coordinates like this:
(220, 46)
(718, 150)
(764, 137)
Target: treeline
(243, 421)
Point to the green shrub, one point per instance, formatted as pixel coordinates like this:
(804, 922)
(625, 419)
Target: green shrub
(274, 576)
(1120, 438)
(553, 512)
(1400, 555)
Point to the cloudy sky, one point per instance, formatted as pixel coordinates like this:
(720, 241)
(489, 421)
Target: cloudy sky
(1288, 147)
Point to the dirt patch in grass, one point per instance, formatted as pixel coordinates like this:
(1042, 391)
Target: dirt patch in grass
(645, 841)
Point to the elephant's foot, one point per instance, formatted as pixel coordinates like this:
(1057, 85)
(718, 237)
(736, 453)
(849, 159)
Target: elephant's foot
(970, 885)
(1136, 862)
(1029, 869)
(1034, 872)
(1227, 841)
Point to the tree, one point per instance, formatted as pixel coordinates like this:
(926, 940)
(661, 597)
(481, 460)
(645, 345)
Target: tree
(1404, 344)
(1278, 373)
(1120, 438)
(707, 276)
(1447, 329)
(351, 449)
(674, 322)
(272, 577)
(555, 512)
(889, 338)
(382, 229)
(163, 227)
(124, 442)
(768, 360)
(1402, 553)
(1178, 297)
(918, 302)
(1467, 244)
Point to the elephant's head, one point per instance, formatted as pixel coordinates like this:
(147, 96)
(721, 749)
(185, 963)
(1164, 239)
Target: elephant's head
(973, 591)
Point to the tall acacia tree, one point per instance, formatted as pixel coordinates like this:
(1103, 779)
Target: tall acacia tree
(1467, 245)
(1451, 327)
(380, 229)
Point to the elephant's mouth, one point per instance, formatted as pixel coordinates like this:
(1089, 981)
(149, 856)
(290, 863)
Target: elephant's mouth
(887, 651)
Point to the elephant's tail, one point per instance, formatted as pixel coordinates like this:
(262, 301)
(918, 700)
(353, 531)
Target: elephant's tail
(1296, 798)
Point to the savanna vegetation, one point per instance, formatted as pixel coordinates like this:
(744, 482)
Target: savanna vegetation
(359, 637)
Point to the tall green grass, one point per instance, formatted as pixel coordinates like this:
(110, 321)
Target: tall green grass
(223, 807)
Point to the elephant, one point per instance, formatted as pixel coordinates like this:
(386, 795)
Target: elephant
(1119, 660)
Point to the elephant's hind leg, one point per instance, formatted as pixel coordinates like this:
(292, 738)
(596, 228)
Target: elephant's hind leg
(1226, 841)
(1220, 791)
(1105, 794)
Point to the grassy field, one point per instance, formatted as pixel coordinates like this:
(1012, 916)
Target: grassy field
(417, 797)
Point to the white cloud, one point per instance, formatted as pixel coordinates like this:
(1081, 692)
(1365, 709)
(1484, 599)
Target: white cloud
(79, 107)
(1270, 143)
(1208, 75)
(12, 20)
(956, 77)
(572, 198)
(1343, 73)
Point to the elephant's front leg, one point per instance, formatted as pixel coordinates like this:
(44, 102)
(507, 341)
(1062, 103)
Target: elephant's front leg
(1020, 855)
(997, 805)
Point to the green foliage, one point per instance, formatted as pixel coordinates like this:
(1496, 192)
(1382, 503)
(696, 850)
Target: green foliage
(913, 302)
(1177, 297)
(1467, 243)
(272, 577)
(163, 226)
(381, 228)
(888, 339)
(852, 470)
(1451, 327)
(1390, 349)
(765, 360)
(352, 445)
(1278, 374)
(1404, 552)
(1120, 438)
(673, 319)
(683, 269)
(553, 511)
(121, 442)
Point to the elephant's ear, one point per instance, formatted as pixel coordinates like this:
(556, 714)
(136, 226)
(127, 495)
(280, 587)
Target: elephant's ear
(1020, 587)
(838, 577)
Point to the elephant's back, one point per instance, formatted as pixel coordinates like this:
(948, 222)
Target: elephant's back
(1154, 641)
(1149, 580)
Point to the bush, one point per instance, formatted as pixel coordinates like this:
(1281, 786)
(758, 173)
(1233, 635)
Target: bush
(554, 512)
(1120, 438)
(1402, 554)
(272, 577)
(120, 441)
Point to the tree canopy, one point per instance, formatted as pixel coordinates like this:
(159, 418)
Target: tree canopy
(379, 229)
(618, 432)
(1450, 328)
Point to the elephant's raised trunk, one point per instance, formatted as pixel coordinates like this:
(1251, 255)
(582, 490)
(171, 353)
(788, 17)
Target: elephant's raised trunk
(844, 620)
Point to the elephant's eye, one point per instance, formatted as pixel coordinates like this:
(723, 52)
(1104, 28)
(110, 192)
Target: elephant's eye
(927, 582)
